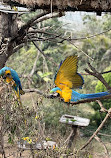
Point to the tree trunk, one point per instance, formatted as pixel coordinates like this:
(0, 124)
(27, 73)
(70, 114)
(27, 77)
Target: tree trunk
(8, 25)
(8, 30)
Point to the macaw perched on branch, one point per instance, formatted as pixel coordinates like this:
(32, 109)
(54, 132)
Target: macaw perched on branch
(12, 78)
(67, 79)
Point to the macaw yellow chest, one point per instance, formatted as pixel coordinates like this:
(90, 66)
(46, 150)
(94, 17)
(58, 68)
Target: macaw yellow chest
(66, 94)
(10, 80)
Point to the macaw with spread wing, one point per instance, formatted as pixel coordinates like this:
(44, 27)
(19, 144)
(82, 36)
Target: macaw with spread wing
(12, 78)
(67, 79)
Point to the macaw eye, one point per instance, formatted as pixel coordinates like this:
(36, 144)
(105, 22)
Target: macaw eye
(8, 74)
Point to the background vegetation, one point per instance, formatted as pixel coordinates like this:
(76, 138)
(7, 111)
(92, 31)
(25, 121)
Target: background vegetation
(49, 111)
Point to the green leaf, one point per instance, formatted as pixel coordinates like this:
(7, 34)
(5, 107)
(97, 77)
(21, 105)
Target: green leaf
(73, 120)
(90, 156)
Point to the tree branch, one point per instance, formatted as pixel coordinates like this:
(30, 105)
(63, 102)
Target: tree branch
(97, 75)
(102, 107)
(31, 21)
(104, 146)
(91, 100)
(79, 49)
(48, 16)
(96, 132)
(34, 65)
(83, 38)
(40, 92)
(36, 45)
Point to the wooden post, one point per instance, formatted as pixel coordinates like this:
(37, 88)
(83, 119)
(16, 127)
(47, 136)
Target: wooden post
(72, 138)
(75, 122)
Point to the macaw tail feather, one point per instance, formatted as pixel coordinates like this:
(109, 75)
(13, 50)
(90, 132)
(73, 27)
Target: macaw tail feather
(17, 93)
(78, 96)
(93, 95)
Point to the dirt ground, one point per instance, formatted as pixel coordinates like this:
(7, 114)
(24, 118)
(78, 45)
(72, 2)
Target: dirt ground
(94, 150)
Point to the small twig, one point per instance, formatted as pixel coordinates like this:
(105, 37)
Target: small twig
(100, 72)
(34, 65)
(105, 72)
(81, 50)
(31, 149)
(101, 142)
(102, 107)
(51, 6)
(35, 44)
(84, 38)
(67, 138)
(96, 132)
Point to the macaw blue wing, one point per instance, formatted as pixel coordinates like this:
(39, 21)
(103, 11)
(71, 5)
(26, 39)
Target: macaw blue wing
(15, 77)
(67, 74)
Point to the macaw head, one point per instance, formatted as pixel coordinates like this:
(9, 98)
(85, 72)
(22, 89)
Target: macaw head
(3, 71)
(7, 74)
(55, 89)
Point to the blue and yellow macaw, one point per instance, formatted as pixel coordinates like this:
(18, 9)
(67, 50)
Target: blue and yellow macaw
(12, 78)
(67, 79)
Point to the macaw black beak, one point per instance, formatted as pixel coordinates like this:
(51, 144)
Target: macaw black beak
(4, 76)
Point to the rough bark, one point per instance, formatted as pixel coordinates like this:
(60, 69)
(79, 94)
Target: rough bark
(66, 5)
(8, 25)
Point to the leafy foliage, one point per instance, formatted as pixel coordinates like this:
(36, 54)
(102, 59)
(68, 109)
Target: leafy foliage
(98, 117)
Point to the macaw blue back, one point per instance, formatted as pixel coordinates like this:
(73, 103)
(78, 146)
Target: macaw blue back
(75, 96)
(16, 78)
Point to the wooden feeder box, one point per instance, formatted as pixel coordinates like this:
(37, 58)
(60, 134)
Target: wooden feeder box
(75, 122)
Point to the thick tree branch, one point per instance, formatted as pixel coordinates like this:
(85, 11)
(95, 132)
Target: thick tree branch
(18, 47)
(96, 132)
(40, 92)
(31, 21)
(48, 16)
(97, 75)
